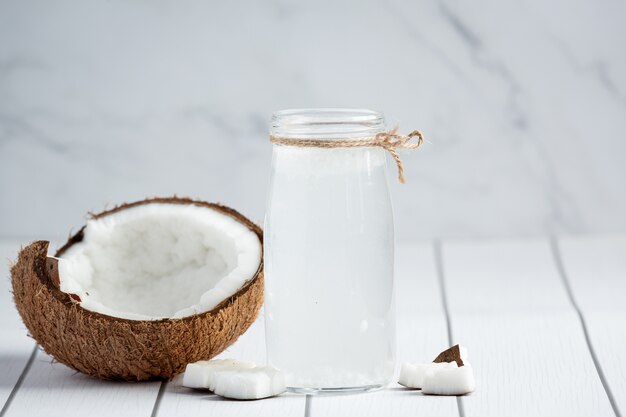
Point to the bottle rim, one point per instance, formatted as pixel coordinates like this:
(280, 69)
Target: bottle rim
(327, 123)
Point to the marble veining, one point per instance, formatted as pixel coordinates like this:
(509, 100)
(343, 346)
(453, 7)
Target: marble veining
(523, 102)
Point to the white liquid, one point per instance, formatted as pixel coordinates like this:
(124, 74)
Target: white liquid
(329, 303)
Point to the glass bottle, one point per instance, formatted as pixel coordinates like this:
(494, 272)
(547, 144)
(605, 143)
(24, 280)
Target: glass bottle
(329, 253)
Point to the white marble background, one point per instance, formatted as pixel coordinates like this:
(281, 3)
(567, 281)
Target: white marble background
(524, 103)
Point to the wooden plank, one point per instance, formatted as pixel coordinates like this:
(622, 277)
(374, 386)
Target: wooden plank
(16, 347)
(509, 307)
(180, 401)
(52, 389)
(421, 335)
(595, 268)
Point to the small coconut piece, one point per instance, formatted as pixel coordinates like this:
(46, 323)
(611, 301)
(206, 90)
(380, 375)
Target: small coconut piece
(449, 374)
(412, 375)
(449, 381)
(239, 380)
(143, 289)
(200, 375)
(249, 384)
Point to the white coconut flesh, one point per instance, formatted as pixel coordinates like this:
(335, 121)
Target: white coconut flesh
(412, 375)
(249, 384)
(230, 378)
(160, 260)
(439, 378)
(201, 374)
(452, 380)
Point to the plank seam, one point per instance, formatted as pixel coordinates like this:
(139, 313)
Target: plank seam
(442, 289)
(558, 260)
(307, 406)
(446, 311)
(157, 402)
(19, 381)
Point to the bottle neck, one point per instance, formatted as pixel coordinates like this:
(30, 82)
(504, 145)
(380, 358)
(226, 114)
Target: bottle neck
(327, 124)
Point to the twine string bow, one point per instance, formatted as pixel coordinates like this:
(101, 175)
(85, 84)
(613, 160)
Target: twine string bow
(391, 141)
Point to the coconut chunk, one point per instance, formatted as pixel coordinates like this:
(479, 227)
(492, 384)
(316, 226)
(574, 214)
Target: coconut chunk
(200, 375)
(249, 384)
(449, 374)
(412, 375)
(449, 381)
(230, 378)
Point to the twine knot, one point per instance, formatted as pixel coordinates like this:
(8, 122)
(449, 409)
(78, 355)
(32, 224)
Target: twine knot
(391, 141)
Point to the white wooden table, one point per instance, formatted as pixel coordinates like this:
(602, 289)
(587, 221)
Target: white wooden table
(544, 320)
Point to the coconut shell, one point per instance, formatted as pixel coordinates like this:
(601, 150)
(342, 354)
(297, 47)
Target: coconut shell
(452, 354)
(114, 348)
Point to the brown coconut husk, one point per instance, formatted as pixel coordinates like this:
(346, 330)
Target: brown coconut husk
(452, 354)
(114, 348)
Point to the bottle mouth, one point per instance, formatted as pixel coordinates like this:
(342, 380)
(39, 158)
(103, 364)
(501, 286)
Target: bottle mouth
(327, 123)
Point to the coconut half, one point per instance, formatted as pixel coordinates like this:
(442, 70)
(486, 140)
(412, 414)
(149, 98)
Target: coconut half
(143, 289)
